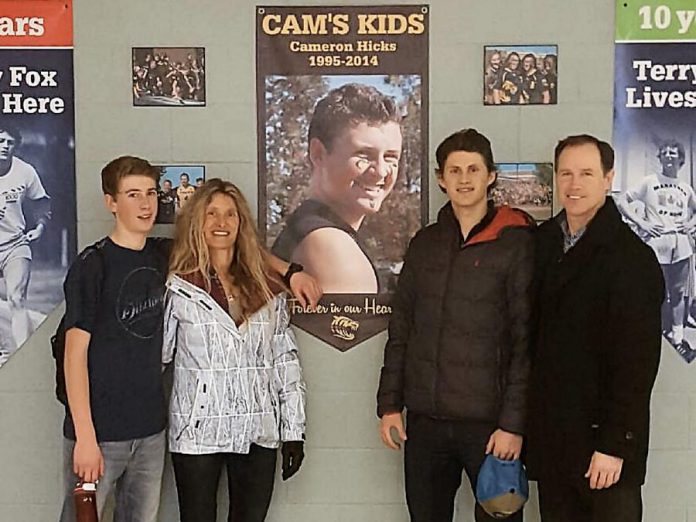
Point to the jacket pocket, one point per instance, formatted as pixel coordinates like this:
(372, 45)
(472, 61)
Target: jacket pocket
(198, 408)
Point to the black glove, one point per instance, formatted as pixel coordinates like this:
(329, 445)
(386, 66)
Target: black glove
(293, 454)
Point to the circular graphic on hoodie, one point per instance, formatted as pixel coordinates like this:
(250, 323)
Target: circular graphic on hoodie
(140, 303)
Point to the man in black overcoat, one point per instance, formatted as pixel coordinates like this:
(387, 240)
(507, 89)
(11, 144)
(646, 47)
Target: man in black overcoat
(596, 347)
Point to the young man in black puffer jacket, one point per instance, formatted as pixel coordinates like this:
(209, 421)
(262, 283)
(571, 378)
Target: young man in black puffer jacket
(457, 355)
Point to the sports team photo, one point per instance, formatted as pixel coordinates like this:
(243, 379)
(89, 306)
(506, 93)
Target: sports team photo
(520, 75)
(169, 76)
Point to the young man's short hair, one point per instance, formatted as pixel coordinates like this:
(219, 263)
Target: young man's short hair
(673, 144)
(12, 130)
(467, 140)
(350, 104)
(125, 166)
(606, 152)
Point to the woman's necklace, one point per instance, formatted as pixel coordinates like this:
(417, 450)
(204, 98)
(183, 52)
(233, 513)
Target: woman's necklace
(234, 308)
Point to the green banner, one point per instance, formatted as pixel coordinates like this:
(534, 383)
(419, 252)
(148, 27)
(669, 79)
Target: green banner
(655, 20)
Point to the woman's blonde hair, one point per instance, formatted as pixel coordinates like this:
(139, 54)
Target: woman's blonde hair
(190, 254)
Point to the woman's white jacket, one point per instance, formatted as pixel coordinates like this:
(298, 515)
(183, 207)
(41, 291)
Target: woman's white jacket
(233, 386)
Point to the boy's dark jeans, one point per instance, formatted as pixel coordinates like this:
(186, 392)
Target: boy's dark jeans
(436, 453)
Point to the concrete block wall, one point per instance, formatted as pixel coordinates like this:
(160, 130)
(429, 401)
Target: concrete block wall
(347, 475)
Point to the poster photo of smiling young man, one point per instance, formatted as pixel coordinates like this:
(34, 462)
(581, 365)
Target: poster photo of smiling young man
(343, 184)
(343, 157)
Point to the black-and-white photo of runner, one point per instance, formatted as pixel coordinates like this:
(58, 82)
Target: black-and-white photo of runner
(18, 182)
(37, 197)
(169, 76)
(661, 209)
(656, 175)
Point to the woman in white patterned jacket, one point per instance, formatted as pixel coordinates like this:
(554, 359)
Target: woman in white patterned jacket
(238, 392)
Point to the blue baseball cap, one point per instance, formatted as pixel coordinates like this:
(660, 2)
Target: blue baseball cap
(501, 487)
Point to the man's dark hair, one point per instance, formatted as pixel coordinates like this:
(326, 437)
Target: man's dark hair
(673, 144)
(350, 105)
(184, 174)
(12, 130)
(116, 170)
(606, 153)
(468, 140)
(199, 179)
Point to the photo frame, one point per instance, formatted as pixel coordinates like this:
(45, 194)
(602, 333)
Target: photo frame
(168, 76)
(177, 184)
(520, 75)
(527, 186)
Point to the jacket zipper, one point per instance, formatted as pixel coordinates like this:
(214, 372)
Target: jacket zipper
(438, 346)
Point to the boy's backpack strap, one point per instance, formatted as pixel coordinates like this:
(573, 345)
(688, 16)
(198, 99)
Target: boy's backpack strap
(98, 248)
(58, 338)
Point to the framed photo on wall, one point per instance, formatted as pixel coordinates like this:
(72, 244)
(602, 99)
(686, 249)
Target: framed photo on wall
(527, 186)
(168, 76)
(520, 74)
(177, 184)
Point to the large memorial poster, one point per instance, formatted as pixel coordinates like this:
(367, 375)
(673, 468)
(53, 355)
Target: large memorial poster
(37, 164)
(342, 112)
(655, 140)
